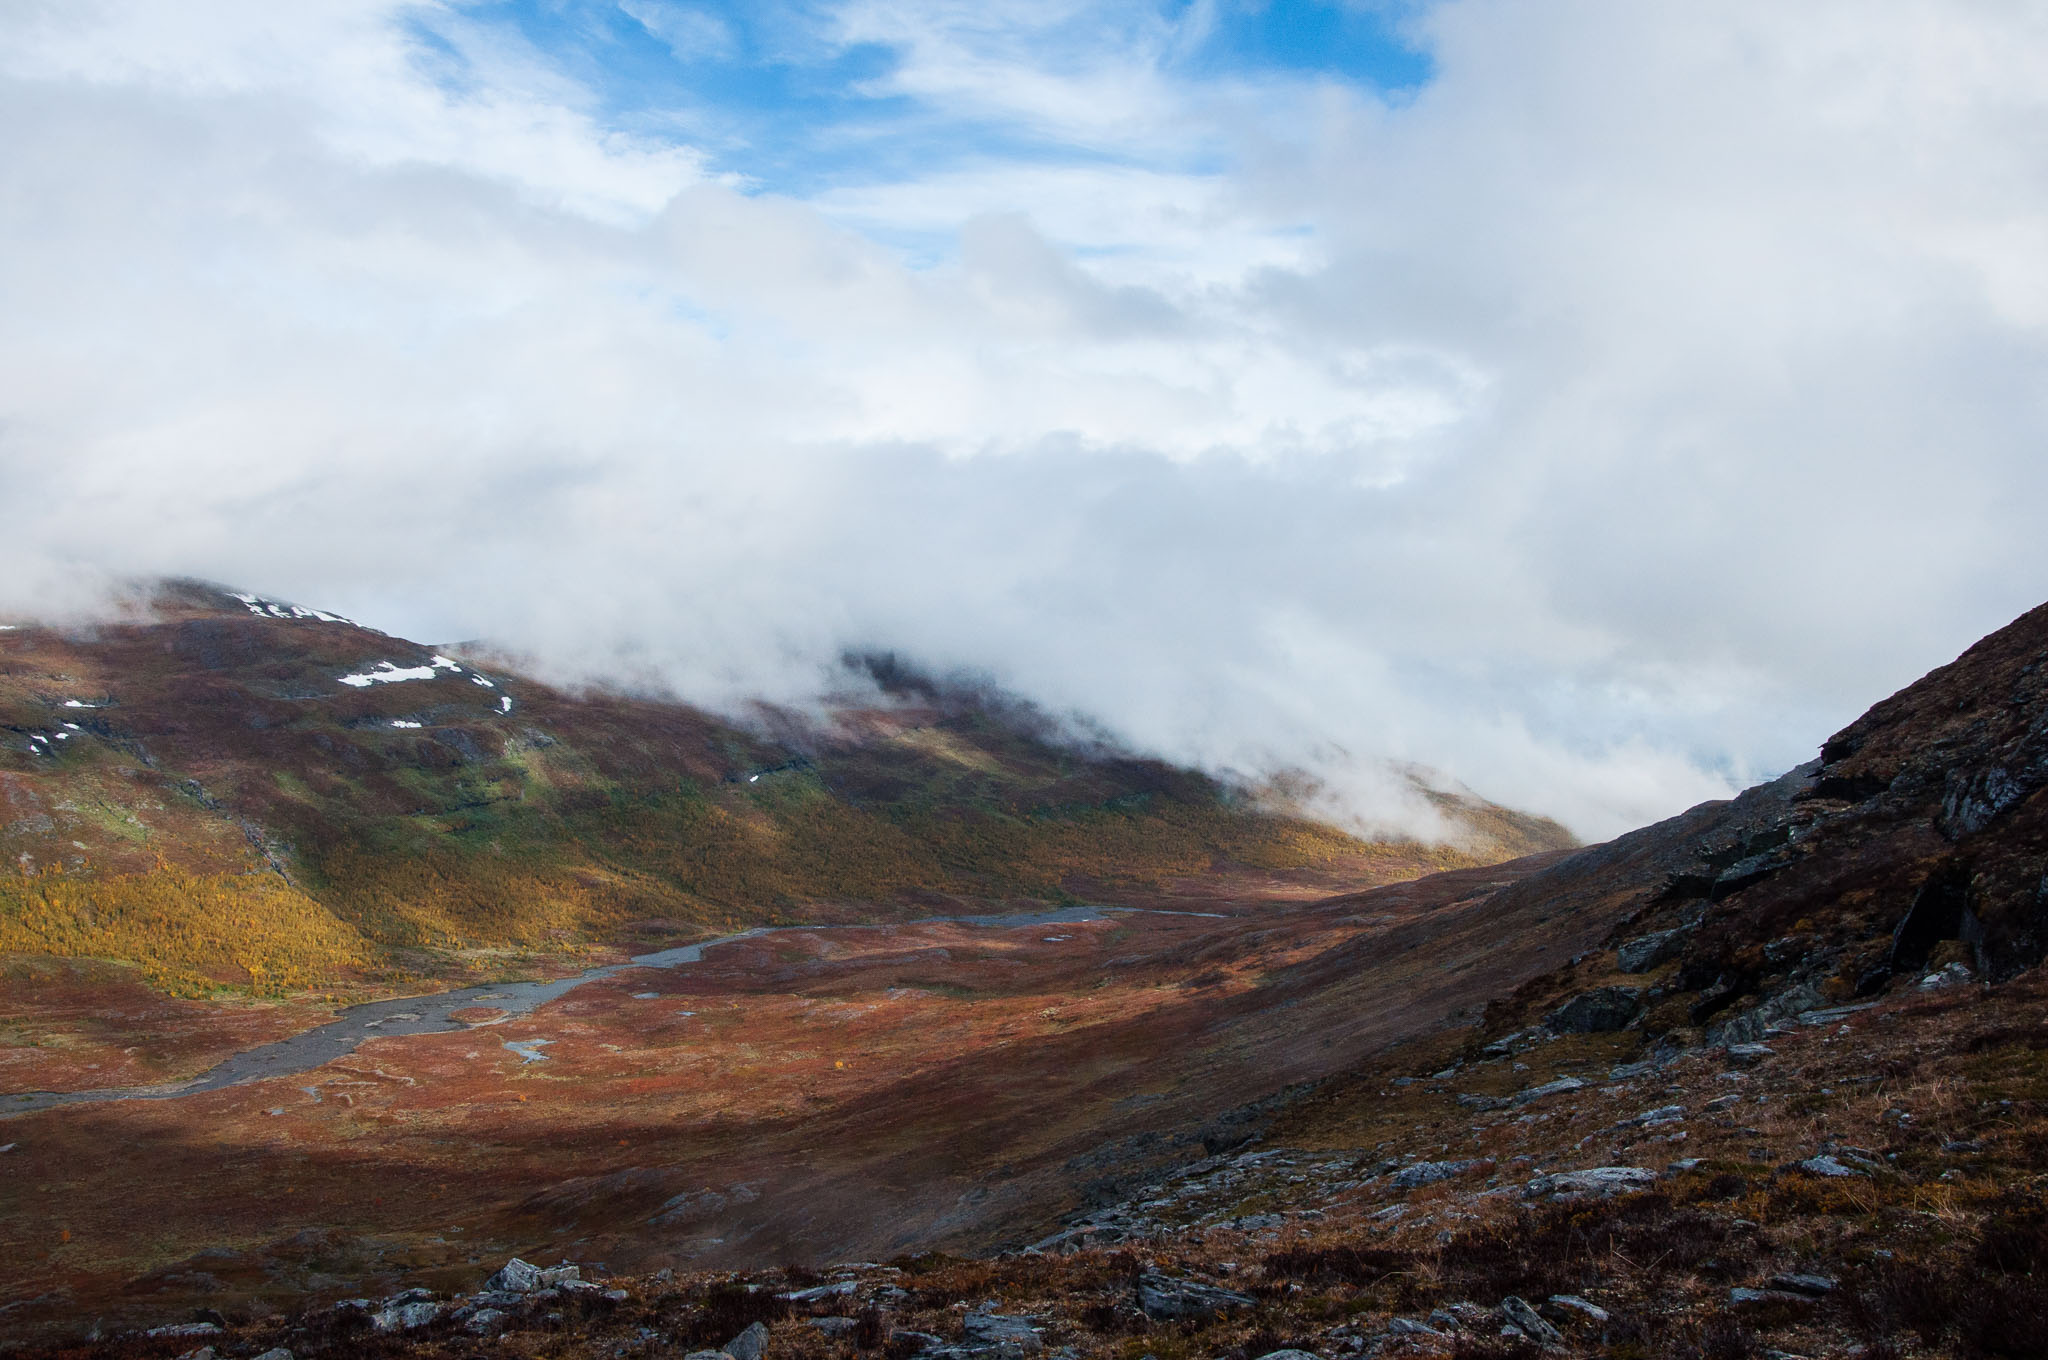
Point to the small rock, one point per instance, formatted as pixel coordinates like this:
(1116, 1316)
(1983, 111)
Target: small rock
(177, 1329)
(1529, 1322)
(1956, 1145)
(558, 1275)
(1560, 1306)
(486, 1322)
(1594, 1182)
(1429, 1173)
(823, 1291)
(748, 1345)
(1814, 1285)
(1824, 1165)
(834, 1326)
(1684, 1164)
(1548, 1088)
(1955, 975)
(1162, 1297)
(1720, 1103)
(1663, 1114)
(1401, 1326)
(1290, 1355)
(1740, 1296)
(1748, 1055)
(1014, 1335)
(515, 1277)
(203, 1353)
(275, 1353)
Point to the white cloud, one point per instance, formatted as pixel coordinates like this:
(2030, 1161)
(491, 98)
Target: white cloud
(1650, 393)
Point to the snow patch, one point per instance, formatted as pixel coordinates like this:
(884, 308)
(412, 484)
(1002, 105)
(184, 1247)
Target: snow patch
(401, 722)
(272, 609)
(526, 1049)
(504, 703)
(80, 703)
(386, 673)
(479, 680)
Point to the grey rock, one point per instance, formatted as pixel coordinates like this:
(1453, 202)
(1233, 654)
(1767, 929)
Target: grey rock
(1825, 1165)
(1740, 1296)
(921, 1341)
(1955, 975)
(1165, 1298)
(276, 1353)
(1401, 1326)
(178, 1329)
(486, 1322)
(515, 1277)
(1529, 1322)
(1720, 1103)
(405, 1317)
(1010, 1333)
(561, 1274)
(818, 1293)
(1800, 1283)
(1595, 1182)
(834, 1326)
(1548, 1088)
(1748, 1027)
(1663, 1114)
(749, 1344)
(1475, 1102)
(202, 1353)
(1748, 1055)
(1561, 1306)
(1645, 952)
(1429, 1173)
(1600, 1011)
(1290, 1354)
(707, 1355)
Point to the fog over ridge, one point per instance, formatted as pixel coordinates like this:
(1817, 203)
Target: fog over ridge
(1601, 423)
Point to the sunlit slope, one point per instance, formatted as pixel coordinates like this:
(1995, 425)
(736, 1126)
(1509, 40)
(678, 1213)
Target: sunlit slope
(233, 791)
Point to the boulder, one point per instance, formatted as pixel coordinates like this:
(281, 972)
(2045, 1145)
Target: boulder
(1290, 1355)
(405, 1317)
(486, 1322)
(1164, 1298)
(515, 1277)
(749, 1344)
(1645, 952)
(1529, 1322)
(1401, 1326)
(177, 1329)
(1796, 1282)
(1012, 1336)
(1600, 1011)
(275, 1353)
(1595, 1182)
(834, 1326)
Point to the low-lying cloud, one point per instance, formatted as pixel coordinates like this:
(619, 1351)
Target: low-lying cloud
(1599, 426)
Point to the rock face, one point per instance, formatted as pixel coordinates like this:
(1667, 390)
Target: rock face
(1164, 1298)
(515, 1277)
(1600, 1011)
(1645, 952)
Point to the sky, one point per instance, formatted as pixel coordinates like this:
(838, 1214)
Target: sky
(1593, 403)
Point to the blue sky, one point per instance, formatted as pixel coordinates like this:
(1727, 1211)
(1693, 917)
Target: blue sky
(791, 97)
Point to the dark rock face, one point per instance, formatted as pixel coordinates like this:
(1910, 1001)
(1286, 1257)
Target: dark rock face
(1600, 1011)
(1645, 952)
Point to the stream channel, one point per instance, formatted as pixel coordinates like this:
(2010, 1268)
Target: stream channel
(431, 1014)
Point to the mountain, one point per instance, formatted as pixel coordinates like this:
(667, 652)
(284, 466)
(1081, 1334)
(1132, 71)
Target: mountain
(1769, 1078)
(232, 791)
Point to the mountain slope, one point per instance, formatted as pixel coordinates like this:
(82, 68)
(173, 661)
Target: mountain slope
(233, 791)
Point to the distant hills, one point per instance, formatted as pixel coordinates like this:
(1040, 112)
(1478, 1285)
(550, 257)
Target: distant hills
(231, 791)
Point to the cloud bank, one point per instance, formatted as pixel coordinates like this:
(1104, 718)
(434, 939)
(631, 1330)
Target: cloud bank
(1599, 423)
